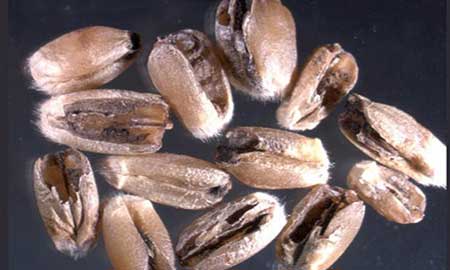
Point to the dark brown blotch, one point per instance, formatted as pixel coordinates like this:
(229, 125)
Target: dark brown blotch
(114, 120)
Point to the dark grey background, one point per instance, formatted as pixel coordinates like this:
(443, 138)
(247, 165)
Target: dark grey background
(400, 49)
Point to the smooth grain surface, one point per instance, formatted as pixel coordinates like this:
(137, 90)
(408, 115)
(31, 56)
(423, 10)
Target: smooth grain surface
(176, 180)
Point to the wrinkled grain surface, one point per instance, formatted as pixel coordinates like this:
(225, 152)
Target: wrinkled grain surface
(328, 75)
(395, 139)
(67, 198)
(230, 233)
(320, 228)
(389, 192)
(258, 41)
(106, 121)
(188, 74)
(273, 159)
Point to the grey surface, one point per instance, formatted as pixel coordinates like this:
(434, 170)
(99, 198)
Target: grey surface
(400, 49)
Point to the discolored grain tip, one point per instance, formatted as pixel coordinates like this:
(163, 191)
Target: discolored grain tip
(333, 48)
(236, 142)
(83, 59)
(219, 191)
(135, 39)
